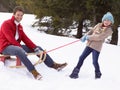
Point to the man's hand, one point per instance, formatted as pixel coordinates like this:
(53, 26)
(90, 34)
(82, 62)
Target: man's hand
(37, 51)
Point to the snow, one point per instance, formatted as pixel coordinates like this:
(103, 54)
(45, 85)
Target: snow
(21, 79)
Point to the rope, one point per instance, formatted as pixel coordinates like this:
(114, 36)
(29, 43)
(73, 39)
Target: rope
(62, 46)
(41, 55)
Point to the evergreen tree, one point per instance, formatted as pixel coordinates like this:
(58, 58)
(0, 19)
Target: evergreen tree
(64, 12)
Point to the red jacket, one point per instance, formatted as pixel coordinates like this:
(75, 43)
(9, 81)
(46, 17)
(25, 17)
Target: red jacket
(7, 35)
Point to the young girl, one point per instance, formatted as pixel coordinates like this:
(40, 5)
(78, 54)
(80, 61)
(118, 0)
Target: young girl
(95, 39)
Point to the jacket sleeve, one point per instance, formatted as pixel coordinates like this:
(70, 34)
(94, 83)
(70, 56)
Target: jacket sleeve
(27, 41)
(92, 30)
(8, 33)
(101, 36)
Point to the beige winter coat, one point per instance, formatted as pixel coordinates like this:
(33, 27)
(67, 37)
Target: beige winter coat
(97, 36)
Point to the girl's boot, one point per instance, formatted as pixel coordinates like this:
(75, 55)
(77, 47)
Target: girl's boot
(74, 73)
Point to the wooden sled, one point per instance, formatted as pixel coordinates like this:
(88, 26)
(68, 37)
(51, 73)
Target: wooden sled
(18, 61)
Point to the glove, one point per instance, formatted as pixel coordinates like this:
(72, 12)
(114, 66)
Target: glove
(37, 51)
(84, 38)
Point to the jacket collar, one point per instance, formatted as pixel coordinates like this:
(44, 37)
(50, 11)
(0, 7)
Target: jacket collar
(14, 21)
(13, 18)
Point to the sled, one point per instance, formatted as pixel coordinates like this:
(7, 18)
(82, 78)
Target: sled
(42, 57)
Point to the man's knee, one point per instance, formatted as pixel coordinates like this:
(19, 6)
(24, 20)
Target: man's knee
(19, 51)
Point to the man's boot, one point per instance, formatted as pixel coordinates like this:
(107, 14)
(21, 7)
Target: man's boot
(36, 74)
(58, 66)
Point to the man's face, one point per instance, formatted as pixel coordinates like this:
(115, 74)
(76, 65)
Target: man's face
(18, 16)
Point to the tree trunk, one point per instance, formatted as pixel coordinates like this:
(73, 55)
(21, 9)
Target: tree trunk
(80, 27)
(55, 31)
(115, 35)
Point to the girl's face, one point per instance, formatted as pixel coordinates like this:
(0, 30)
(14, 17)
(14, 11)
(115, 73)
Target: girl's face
(18, 16)
(107, 23)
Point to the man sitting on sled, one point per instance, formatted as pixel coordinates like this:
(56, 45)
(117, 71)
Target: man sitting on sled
(11, 34)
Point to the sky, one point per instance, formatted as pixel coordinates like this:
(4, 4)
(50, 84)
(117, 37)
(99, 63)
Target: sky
(21, 79)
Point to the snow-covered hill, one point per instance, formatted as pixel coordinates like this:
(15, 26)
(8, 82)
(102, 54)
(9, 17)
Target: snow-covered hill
(21, 79)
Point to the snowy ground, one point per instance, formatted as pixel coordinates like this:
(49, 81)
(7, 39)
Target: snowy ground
(21, 79)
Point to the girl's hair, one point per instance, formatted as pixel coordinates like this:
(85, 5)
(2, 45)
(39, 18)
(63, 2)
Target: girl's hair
(18, 8)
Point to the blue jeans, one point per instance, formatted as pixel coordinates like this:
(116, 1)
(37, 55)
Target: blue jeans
(20, 53)
(95, 56)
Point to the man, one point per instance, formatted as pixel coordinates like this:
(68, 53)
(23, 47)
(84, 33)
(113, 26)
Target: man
(11, 34)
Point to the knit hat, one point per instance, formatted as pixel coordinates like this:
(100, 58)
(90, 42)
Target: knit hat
(108, 16)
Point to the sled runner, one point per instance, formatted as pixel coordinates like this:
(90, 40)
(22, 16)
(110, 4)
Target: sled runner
(42, 57)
